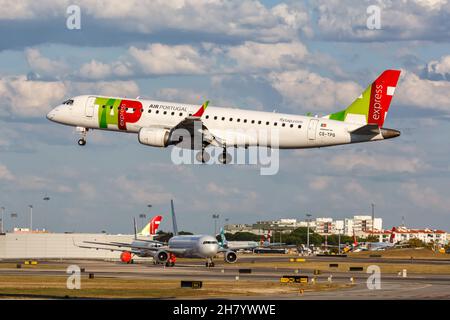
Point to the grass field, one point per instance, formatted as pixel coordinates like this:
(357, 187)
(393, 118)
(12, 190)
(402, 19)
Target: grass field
(40, 287)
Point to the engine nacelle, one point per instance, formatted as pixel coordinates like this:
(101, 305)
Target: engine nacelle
(161, 256)
(126, 257)
(155, 137)
(230, 257)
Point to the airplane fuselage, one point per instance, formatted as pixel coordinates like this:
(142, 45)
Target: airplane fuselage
(195, 246)
(236, 127)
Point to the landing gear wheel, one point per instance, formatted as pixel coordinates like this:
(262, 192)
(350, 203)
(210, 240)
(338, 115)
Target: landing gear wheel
(225, 157)
(81, 142)
(202, 156)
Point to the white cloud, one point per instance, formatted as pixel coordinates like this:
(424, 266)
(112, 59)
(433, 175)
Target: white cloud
(257, 56)
(5, 174)
(439, 67)
(400, 20)
(30, 98)
(247, 18)
(311, 92)
(426, 197)
(26, 98)
(368, 163)
(163, 59)
(45, 66)
(423, 93)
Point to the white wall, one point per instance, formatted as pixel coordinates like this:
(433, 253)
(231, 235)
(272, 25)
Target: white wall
(57, 245)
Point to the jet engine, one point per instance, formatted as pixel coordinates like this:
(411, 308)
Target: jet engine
(154, 137)
(125, 257)
(161, 256)
(230, 257)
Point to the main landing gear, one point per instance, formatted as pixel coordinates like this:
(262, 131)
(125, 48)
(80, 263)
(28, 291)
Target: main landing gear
(202, 156)
(225, 157)
(83, 131)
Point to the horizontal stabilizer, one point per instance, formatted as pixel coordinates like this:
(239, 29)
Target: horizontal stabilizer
(367, 130)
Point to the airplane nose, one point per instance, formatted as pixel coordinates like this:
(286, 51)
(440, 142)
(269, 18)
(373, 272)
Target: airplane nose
(51, 115)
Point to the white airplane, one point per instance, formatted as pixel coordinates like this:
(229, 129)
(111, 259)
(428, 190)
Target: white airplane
(160, 124)
(126, 256)
(185, 246)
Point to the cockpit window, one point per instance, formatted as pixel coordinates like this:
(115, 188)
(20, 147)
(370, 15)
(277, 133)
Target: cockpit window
(68, 102)
(209, 242)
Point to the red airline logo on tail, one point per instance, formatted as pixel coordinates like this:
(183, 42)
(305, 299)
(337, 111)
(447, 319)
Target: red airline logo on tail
(154, 224)
(381, 95)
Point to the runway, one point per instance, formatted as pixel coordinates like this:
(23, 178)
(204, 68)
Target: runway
(393, 286)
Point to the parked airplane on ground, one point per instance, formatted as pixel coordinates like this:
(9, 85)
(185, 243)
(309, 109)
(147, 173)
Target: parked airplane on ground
(186, 246)
(126, 256)
(160, 124)
(236, 245)
(379, 246)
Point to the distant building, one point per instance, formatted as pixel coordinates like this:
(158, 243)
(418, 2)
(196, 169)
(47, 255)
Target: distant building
(402, 234)
(361, 226)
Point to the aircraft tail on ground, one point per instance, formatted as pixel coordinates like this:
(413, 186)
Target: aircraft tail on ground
(223, 240)
(152, 227)
(372, 105)
(174, 219)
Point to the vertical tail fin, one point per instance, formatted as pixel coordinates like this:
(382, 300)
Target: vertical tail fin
(222, 238)
(372, 105)
(174, 219)
(152, 227)
(391, 239)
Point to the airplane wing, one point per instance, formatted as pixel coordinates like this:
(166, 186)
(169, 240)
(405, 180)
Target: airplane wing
(197, 130)
(134, 248)
(109, 249)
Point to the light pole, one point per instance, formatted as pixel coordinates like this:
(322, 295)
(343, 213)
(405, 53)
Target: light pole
(31, 216)
(373, 217)
(339, 246)
(308, 216)
(3, 219)
(215, 217)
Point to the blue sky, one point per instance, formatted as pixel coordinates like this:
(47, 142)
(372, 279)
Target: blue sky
(296, 57)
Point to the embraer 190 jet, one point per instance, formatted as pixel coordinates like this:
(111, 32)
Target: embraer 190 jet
(158, 123)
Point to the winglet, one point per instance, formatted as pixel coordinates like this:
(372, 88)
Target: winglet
(202, 109)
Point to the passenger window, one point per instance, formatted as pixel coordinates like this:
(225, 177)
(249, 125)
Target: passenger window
(299, 126)
(173, 113)
(149, 110)
(207, 117)
(223, 118)
(215, 118)
(238, 120)
(283, 124)
(181, 114)
(275, 124)
(267, 123)
(291, 125)
(165, 112)
(259, 122)
(253, 121)
(245, 120)
(157, 111)
(231, 119)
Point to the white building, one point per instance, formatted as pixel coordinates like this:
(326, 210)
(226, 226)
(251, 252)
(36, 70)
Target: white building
(361, 226)
(402, 234)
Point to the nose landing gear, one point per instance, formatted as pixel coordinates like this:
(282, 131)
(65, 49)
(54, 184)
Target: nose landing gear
(209, 263)
(83, 131)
